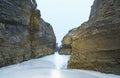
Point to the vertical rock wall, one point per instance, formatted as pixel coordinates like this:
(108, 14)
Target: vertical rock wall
(66, 48)
(20, 24)
(96, 43)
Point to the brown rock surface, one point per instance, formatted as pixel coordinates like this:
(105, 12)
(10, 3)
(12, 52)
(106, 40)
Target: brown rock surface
(44, 40)
(20, 24)
(66, 43)
(96, 43)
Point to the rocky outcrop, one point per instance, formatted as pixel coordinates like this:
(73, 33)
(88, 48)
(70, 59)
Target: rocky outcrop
(20, 27)
(65, 48)
(95, 44)
(44, 41)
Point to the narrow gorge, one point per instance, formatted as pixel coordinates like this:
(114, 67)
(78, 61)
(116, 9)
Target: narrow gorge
(91, 50)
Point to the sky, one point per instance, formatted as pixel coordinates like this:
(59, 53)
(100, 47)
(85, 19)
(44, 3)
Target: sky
(64, 15)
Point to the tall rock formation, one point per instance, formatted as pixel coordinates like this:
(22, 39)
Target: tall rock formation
(96, 43)
(20, 27)
(66, 48)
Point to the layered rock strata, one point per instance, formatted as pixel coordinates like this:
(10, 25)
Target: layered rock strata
(20, 28)
(66, 48)
(96, 43)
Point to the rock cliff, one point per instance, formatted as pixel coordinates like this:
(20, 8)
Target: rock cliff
(23, 33)
(96, 43)
(65, 48)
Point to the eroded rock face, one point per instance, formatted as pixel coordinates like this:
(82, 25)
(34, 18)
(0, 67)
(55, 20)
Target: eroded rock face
(95, 44)
(44, 41)
(20, 24)
(66, 43)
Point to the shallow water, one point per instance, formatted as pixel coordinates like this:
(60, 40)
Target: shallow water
(52, 66)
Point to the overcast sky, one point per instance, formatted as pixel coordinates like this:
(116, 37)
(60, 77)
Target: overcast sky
(64, 15)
